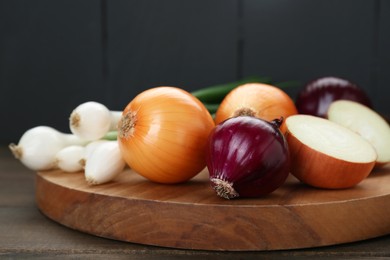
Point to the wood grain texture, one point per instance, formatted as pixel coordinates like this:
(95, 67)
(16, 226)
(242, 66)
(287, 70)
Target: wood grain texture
(27, 233)
(191, 216)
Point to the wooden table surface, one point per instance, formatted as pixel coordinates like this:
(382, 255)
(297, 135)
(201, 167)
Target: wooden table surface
(26, 232)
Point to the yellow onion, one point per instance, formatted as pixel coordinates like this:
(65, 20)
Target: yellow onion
(163, 134)
(260, 100)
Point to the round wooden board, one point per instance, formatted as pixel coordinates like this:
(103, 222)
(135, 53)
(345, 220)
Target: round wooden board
(192, 216)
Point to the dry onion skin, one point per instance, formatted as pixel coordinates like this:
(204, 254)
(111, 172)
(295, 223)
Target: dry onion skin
(260, 100)
(163, 134)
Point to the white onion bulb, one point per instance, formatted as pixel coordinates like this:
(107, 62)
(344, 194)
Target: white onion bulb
(92, 120)
(38, 147)
(71, 158)
(103, 163)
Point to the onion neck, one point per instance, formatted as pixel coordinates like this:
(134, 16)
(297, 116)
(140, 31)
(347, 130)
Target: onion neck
(224, 189)
(277, 122)
(115, 118)
(71, 139)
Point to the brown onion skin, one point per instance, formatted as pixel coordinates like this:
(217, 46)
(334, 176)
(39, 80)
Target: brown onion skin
(250, 153)
(315, 98)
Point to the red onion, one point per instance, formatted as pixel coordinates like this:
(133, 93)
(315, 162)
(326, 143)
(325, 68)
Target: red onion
(315, 98)
(247, 157)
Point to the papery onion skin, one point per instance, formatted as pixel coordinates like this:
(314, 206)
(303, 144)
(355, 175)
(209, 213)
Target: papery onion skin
(315, 98)
(163, 134)
(247, 157)
(256, 99)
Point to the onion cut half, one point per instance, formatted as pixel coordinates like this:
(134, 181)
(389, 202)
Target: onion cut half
(327, 155)
(366, 122)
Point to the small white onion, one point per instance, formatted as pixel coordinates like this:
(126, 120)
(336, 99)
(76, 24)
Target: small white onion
(71, 158)
(92, 120)
(39, 145)
(103, 163)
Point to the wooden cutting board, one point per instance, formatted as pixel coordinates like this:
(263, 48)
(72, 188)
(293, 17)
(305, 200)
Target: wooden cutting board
(191, 216)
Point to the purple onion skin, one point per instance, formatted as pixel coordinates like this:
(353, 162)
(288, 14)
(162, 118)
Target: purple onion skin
(315, 98)
(247, 157)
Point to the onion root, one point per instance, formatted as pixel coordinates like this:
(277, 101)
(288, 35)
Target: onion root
(16, 150)
(224, 189)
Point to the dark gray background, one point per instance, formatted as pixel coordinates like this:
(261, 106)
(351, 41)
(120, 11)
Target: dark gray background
(55, 55)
